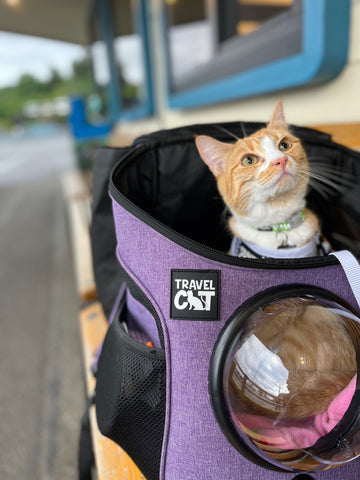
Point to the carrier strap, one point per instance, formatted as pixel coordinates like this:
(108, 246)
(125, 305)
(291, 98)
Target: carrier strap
(351, 268)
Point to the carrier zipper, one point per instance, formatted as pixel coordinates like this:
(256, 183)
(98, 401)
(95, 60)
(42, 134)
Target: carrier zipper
(201, 249)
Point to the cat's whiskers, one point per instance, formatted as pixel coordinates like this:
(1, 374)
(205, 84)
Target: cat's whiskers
(321, 189)
(327, 173)
(318, 162)
(220, 127)
(327, 181)
(316, 184)
(327, 166)
(303, 176)
(243, 129)
(325, 188)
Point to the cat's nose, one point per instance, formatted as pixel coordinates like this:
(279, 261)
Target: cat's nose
(281, 162)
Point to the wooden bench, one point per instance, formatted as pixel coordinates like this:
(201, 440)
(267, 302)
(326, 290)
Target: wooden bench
(347, 134)
(78, 201)
(111, 461)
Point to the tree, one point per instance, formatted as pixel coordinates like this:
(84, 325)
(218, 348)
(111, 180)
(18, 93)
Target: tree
(82, 68)
(28, 85)
(55, 79)
(29, 88)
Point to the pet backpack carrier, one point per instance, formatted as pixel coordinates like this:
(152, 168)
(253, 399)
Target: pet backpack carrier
(186, 384)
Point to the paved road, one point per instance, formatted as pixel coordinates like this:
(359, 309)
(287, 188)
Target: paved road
(41, 386)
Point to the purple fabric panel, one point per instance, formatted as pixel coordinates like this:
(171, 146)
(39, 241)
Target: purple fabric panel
(141, 323)
(118, 299)
(111, 318)
(194, 446)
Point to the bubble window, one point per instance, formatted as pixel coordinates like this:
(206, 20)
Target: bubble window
(284, 383)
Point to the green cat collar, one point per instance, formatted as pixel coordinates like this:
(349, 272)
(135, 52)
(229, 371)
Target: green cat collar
(295, 221)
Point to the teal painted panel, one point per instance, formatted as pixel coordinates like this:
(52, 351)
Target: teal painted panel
(325, 26)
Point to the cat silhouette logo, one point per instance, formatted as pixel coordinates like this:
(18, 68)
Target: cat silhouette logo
(195, 294)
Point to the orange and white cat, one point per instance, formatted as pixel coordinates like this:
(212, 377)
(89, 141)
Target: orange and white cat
(263, 180)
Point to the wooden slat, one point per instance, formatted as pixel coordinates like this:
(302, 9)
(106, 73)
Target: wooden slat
(345, 133)
(93, 328)
(78, 201)
(112, 463)
(75, 185)
(81, 252)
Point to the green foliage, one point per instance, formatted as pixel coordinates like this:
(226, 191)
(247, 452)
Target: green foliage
(80, 83)
(13, 99)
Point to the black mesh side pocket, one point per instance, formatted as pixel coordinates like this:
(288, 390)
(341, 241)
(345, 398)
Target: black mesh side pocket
(130, 398)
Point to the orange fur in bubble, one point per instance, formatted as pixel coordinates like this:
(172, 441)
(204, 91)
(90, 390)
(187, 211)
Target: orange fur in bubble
(315, 347)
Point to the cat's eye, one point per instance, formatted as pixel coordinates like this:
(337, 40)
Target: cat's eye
(285, 145)
(249, 160)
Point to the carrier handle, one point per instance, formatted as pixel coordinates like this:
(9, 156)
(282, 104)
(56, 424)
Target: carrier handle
(351, 268)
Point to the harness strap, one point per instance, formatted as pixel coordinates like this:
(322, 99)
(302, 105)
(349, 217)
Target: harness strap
(316, 246)
(351, 268)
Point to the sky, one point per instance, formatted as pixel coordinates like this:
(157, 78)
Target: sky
(25, 54)
(21, 54)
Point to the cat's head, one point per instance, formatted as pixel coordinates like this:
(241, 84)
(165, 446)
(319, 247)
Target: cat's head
(269, 166)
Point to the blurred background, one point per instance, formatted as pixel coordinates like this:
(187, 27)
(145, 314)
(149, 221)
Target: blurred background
(75, 75)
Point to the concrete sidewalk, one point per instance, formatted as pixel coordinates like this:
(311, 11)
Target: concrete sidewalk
(42, 392)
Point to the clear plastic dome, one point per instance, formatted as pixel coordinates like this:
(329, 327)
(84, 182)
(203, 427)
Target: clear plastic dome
(290, 383)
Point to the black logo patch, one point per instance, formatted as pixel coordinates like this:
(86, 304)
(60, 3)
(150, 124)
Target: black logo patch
(195, 294)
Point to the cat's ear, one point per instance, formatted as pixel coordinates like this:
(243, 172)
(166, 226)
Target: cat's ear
(277, 119)
(212, 152)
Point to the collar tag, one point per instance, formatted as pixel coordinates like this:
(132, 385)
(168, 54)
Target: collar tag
(295, 221)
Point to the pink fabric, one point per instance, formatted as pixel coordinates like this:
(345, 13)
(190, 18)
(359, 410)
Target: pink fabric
(294, 435)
